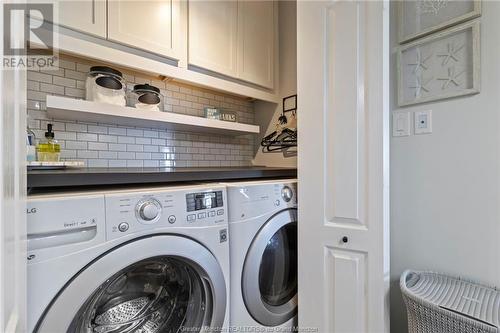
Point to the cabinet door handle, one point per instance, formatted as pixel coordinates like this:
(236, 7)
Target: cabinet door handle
(93, 11)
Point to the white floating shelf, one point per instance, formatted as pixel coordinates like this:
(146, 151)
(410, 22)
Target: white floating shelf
(77, 109)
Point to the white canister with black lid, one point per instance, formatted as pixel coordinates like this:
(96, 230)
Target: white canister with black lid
(105, 85)
(146, 97)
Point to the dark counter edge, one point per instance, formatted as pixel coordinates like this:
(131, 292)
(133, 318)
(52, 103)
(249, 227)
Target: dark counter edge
(134, 176)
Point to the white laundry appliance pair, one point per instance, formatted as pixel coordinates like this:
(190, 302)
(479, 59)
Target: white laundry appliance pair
(161, 260)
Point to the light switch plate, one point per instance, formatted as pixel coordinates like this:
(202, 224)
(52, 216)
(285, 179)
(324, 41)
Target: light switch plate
(401, 124)
(423, 122)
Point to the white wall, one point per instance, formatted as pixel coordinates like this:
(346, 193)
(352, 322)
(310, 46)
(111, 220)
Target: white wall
(266, 114)
(444, 186)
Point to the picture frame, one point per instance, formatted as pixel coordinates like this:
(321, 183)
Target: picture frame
(419, 18)
(427, 72)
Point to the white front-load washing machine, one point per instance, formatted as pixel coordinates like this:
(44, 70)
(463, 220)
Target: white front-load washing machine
(263, 255)
(147, 260)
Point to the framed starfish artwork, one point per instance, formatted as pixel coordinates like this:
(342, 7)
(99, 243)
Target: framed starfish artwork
(440, 66)
(418, 18)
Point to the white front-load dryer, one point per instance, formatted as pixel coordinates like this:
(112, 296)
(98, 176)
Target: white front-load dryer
(148, 260)
(263, 255)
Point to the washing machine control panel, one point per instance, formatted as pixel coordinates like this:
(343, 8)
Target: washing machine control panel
(134, 212)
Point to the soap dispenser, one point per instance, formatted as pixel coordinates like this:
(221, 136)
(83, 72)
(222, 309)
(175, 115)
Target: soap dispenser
(48, 150)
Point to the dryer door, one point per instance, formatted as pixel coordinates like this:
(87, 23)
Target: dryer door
(269, 282)
(163, 283)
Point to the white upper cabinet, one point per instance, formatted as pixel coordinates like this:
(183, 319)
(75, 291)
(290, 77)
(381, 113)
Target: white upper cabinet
(213, 33)
(83, 15)
(256, 40)
(234, 38)
(154, 26)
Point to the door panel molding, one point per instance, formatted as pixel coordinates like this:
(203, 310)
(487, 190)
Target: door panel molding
(345, 113)
(347, 270)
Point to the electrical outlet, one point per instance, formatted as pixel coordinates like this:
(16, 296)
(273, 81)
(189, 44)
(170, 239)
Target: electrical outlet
(423, 122)
(401, 124)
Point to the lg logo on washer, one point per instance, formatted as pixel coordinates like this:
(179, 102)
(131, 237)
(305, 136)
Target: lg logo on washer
(31, 211)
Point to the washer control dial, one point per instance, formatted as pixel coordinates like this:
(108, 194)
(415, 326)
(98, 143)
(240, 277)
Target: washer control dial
(148, 210)
(123, 226)
(287, 193)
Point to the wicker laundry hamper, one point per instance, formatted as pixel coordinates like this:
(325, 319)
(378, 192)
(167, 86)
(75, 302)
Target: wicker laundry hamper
(441, 304)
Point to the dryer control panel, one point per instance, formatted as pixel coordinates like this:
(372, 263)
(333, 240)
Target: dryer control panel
(129, 212)
(252, 199)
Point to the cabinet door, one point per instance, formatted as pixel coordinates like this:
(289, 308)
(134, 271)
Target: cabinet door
(87, 16)
(213, 31)
(257, 28)
(148, 25)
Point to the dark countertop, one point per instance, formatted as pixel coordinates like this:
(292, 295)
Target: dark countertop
(40, 179)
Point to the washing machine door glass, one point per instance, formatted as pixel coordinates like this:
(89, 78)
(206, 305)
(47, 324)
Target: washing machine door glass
(278, 268)
(157, 284)
(162, 294)
(269, 282)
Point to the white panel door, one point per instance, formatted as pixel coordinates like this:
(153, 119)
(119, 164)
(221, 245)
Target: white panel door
(213, 33)
(151, 25)
(13, 191)
(257, 29)
(343, 55)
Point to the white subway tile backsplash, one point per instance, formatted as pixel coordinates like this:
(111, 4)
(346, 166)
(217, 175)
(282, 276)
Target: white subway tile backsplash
(150, 134)
(151, 164)
(66, 135)
(143, 156)
(39, 77)
(117, 131)
(126, 139)
(67, 64)
(97, 146)
(62, 81)
(87, 154)
(126, 155)
(73, 92)
(97, 163)
(159, 142)
(103, 145)
(143, 141)
(75, 75)
(108, 138)
(86, 136)
(134, 132)
(151, 149)
(108, 154)
(97, 129)
(76, 145)
(117, 147)
(135, 164)
(135, 148)
(117, 163)
(73, 127)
